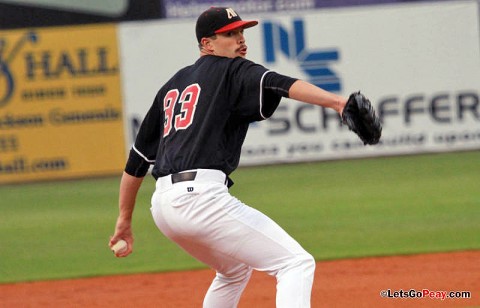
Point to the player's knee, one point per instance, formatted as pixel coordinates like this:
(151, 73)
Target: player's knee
(237, 275)
(308, 264)
(304, 263)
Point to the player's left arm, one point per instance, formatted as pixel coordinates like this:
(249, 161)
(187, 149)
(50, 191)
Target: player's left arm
(356, 112)
(308, 93)
(303, 91)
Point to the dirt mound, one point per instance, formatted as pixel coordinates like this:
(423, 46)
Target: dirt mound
(341, 283)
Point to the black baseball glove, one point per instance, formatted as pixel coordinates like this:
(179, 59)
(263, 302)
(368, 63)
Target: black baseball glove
(359, 115)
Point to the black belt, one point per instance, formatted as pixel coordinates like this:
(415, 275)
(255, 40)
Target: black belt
(191, 175)
(183, 176)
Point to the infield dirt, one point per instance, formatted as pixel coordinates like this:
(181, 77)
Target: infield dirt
(341, 283)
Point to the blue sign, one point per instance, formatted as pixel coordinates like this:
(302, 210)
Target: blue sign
(315, 63)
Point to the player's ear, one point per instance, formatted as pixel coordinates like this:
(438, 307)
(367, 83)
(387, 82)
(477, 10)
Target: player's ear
(206, 44)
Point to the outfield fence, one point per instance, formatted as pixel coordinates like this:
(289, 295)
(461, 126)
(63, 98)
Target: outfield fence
(77, 94)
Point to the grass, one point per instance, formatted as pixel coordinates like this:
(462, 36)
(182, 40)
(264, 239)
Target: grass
(338, 209)
(383, 206)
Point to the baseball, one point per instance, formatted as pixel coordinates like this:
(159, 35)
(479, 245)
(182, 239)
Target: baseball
(119, 247)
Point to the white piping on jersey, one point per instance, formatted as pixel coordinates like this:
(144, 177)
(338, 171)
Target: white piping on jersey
(261, 94)
(142, 156)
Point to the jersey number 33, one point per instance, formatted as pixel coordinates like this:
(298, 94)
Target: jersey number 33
(188, 100)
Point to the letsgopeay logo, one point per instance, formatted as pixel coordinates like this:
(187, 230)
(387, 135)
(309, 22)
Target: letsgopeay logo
(7, 82)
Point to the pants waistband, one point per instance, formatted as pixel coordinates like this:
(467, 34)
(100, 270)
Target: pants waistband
(201, 175)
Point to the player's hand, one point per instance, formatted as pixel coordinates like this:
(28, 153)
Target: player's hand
(358, 114)
(123, 231)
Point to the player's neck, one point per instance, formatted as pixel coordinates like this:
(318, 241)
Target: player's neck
(206, 52)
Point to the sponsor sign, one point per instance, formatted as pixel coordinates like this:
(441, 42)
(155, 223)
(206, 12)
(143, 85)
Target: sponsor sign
(60, 104)
(192, 8)
(422, 77)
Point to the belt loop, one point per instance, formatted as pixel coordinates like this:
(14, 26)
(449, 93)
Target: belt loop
(228, 181)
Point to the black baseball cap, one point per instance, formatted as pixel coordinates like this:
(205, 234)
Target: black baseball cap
(219, 20)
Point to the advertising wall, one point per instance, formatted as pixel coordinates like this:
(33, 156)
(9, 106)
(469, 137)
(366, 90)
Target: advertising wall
(40, 13)
(192, 8)
(72, 98)
(60, 103)
(421, 75)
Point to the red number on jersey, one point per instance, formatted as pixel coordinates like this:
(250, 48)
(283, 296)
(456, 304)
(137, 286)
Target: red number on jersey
(168, 105)
(188, 101)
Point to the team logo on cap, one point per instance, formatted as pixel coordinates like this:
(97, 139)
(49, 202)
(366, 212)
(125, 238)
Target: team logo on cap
(231, 13)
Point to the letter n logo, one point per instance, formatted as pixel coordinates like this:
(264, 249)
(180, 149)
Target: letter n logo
(314, 62)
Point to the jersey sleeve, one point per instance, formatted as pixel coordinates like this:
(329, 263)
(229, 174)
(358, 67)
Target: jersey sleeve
(258, 93)
(274, 85)
(144, 150)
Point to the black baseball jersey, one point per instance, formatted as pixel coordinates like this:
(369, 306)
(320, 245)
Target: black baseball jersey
(200, 117)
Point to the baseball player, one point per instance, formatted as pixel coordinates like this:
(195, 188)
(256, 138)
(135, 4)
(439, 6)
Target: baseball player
(192, 135)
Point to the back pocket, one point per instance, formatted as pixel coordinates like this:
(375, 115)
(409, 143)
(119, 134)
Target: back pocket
(189, 196)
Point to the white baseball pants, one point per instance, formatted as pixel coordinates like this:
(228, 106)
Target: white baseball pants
(232, 238)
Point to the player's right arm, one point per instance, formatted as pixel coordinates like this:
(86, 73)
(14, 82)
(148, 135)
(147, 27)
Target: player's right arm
(141, 156)
(129, 186)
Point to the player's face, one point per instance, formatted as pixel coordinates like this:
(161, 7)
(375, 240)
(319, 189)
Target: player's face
(230, 44)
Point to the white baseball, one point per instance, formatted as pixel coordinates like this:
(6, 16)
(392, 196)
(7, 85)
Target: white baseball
(119, 246)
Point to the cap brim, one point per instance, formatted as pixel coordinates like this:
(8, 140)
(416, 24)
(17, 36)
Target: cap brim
(237, 24)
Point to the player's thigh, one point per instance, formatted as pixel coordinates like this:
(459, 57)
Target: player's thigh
(221, 231)
(259, 241)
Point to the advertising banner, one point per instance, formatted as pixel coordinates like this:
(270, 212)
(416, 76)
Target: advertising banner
(422, 76)
(60, 105)
(192, 8)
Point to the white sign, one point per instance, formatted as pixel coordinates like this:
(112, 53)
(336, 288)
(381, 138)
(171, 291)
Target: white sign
(418, 63)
